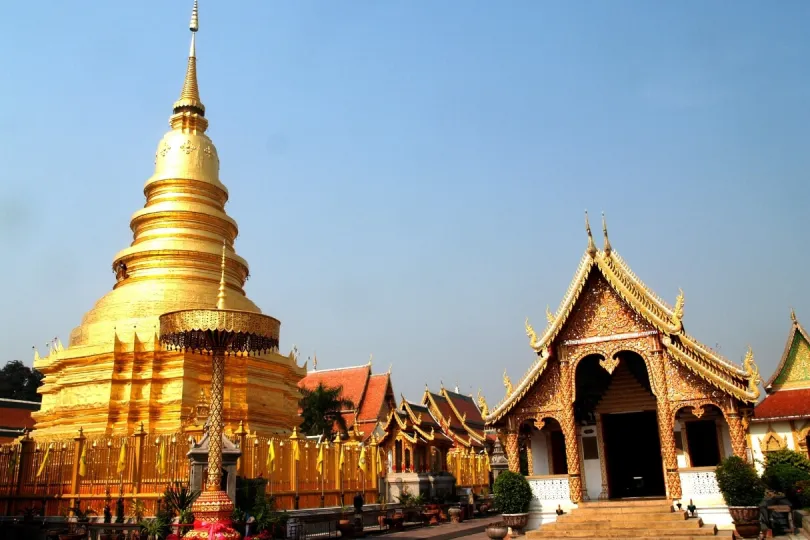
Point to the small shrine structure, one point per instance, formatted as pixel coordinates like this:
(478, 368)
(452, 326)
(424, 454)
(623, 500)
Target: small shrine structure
(621, 402)
(782, 419)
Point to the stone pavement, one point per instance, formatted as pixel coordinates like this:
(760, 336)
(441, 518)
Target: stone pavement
(469, 529)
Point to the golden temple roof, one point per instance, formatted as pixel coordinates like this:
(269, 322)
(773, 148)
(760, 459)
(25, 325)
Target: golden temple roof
(742, 383)
(793, 371)
(174, 261)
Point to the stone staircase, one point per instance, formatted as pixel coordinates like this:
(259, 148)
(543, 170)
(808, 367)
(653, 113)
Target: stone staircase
(640, 519)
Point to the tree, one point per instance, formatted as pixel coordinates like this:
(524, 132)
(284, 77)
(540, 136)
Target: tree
(18, 381)
(321, 408)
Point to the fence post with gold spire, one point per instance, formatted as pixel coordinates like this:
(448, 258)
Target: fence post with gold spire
(242, 434)
(140, 438)
(75, 478)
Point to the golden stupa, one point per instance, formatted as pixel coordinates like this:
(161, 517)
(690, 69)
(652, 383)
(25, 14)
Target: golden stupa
(114, 374)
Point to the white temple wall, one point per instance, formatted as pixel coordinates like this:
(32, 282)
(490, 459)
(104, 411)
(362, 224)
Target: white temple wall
(540, 454)
(591, 469)
(758, 431)
(680, 436)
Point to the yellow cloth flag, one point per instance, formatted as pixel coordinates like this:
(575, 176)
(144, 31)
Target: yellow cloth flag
(83, 461)
(296, 450)
(361, 462)
(319, 463)
(341, 460)
(271, 456)
(161, 458)
(380, 462)
(489, 465)
(44, 461)
(122, 458)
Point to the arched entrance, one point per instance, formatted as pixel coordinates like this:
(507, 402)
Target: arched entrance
(616, 394)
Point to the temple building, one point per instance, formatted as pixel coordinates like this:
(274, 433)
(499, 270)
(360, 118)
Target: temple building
(372, 395)
(782, 419)
(15, 418)
(621, 402)
(114, 376)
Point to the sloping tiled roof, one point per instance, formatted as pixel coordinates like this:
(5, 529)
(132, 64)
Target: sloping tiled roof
(446, 411)
(352, 380)
(466, 407)
(374, 398)
(784, 404)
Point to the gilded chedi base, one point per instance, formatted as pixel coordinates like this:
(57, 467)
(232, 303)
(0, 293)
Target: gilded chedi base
(212, 517)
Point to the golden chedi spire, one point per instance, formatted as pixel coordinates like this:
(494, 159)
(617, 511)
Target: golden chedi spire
(174, 260)
(115, 374)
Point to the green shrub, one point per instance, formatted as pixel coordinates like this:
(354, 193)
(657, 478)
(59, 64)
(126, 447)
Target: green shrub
(787, 457)
(512, 493)
(739, 483)
(784, 477)
(803, 493)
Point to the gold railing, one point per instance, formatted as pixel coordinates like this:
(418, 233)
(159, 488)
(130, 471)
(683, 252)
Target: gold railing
(86, 470)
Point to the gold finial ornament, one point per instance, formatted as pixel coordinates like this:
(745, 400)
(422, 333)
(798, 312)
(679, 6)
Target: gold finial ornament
(482, 404)
(607, 248)
(677, 312)
(591, 245)
(314, 361)
(531, 334)
(793, 316)
(221, 293)
(549, 315)
(752, 371)
(507, 382)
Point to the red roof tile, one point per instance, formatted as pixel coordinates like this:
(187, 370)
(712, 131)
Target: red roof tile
(784, 404)
(447, 412)
(352, 379)
(374, 398)
(466, 405)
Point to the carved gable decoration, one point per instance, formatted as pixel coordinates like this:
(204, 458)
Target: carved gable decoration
(601, 312)
(796, 371)
(545, 395)
(685, 385)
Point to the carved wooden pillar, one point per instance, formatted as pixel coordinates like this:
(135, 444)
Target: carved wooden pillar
(737, 434)
(512, 450)
(569, 429)
(600, 442)
(666, 426)
(529, 457)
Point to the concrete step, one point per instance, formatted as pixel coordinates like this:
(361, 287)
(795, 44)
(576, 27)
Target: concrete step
(623, 533)
(624, 502)
(623, 525)
(578, 515)
(613, 510)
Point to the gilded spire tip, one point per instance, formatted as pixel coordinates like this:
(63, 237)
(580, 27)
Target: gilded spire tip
(591, 245)
(190, 94)
(793, 315)
(195, 21)
(607, 247)
(221, 294)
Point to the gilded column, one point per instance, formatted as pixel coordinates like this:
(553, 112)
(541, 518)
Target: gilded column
(569, 429)
(737, 434)
(666, 426)
(512, 451)
(529, 457)
(215, 427)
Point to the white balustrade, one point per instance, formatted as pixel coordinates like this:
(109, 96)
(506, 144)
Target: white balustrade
(550, 488)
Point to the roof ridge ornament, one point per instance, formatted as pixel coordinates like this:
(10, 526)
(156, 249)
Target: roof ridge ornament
(533, 339)
(507, 382)
(607, 249)
(793, 318)
(549, 315)
(677, 312)
(591, 246)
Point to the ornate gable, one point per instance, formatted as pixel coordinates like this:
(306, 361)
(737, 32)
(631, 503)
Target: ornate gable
(794, 367)
(607, 301)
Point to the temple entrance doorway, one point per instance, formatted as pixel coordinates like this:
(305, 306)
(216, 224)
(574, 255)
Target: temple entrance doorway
(633, 449)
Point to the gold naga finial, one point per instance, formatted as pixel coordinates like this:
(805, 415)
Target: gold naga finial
(370, 357)
(190, 94)
(607, 248)
(793, 316)
(507, 382)
(677, 311)
(549, 315)
(314, 361)
(591, 245)
(750, 366)
(221, 293)
(533, 340)
(482, 404)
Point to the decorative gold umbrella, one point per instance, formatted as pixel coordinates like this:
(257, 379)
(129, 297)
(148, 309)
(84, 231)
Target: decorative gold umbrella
(220, 333)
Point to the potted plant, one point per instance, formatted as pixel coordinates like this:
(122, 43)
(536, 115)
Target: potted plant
(179, 499)
(497, 530)
(153, 528)
(743, 491)
(512, 496)
(137, 509)
(345, 525)
(78, 528)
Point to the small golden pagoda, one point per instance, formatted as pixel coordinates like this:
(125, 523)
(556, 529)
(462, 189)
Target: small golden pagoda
(114, 374)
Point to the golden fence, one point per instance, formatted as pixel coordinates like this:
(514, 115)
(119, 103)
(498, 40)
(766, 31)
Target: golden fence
(59, 474)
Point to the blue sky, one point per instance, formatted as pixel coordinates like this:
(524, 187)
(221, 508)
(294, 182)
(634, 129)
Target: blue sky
(410, 177)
